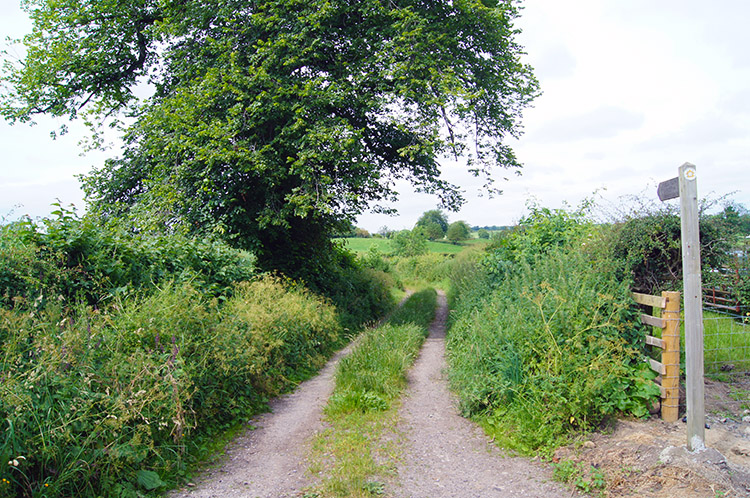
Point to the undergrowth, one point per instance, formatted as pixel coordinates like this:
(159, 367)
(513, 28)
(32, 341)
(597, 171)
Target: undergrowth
(544, 340)
(117, 401)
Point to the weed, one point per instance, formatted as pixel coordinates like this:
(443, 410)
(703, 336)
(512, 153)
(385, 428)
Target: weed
(364, 403)
(374, 488)
(586, 478)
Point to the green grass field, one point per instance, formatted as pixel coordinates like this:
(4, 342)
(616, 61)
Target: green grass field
(384, 245)
(726, 343)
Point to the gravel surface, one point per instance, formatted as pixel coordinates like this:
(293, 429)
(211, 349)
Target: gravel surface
(269, 461)
(446, 455)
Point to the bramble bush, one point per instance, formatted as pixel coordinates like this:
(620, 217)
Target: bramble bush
(646, 244)
(110, 401)
(544, 339)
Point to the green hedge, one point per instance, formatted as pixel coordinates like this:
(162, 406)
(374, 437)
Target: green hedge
(551, 348)
(109, 402)
(78, 259)
(545, 340)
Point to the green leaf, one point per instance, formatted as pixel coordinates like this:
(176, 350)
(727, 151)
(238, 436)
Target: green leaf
(149, 479)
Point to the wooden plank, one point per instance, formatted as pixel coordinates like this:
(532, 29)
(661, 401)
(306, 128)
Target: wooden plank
(654, 341)
(656, 366)
(670, 358)
(669, 189)
(653, 321)
(664, 393)
(649, 300)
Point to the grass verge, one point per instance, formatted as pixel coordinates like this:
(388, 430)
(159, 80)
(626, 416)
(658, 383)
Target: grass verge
(350, 456)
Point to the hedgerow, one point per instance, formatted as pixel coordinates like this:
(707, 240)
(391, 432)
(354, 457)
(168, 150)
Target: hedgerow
(109, 402)
(544, 340)
(72, 258)
(124, 355)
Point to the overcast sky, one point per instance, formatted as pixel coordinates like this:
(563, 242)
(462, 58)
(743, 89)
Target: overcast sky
(631, 90)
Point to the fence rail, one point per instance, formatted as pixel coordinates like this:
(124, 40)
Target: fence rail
(721, 299)
(669, 343)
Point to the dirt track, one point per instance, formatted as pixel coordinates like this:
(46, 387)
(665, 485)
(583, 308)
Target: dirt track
(269, 461)
(444, 455)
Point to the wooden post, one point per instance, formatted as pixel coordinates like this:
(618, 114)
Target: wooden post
(691, 275)
(670, 358)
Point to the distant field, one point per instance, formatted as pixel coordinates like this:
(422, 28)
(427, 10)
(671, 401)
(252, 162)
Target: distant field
(384, 245)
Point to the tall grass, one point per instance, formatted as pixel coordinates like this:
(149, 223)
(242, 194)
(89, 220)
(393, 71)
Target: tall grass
(547, 350)
(111, 402)
(432, 269)
(375, 373)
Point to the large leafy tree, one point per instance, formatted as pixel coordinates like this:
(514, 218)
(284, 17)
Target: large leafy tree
(458, 231)
(271, 121)
(433, 223)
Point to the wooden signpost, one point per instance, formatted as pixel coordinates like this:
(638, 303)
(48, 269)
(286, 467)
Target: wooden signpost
(687, 191)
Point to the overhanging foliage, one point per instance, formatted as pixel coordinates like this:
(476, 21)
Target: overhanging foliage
(273, 120)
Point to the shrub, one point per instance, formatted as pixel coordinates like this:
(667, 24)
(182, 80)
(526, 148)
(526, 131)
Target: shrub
(648, 246)
(552, 349)
(544, 338)
(76, 258)
(409, 243)
(108, 402)
(361, 294)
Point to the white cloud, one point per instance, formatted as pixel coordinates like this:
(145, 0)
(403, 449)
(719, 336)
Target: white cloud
(603, 122)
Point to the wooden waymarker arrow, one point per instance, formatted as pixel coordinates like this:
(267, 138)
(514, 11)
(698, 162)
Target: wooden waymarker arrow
(669, 189)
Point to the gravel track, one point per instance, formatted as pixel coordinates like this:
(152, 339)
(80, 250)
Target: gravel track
(446, 455)
(270, 461)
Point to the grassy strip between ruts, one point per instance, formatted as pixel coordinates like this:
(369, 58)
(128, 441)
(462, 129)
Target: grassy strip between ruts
(350, 456)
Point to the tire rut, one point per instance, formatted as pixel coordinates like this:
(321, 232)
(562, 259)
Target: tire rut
(270, 461)
(446, 455)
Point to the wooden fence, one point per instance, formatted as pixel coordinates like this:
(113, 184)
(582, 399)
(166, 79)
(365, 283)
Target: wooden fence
(669, 342)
